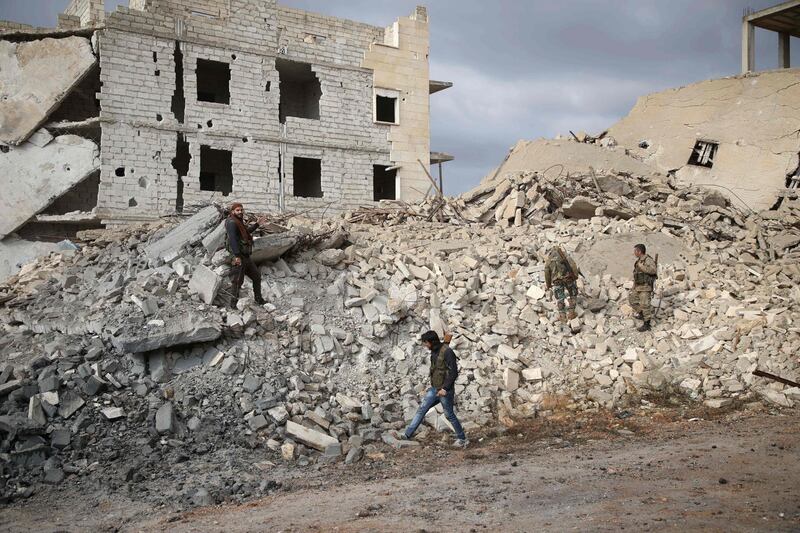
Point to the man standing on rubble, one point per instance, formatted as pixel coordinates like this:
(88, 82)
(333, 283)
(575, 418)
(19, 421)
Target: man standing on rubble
(644, 277)
(561, 272)
(240, 245)
(443, 372)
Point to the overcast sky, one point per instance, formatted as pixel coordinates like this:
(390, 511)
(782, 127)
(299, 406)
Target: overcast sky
(535, 68)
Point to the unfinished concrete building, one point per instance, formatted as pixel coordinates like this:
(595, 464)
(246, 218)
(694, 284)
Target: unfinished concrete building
(166, 104)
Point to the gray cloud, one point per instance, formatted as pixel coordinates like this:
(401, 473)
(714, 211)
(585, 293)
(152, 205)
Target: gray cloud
(527, 69)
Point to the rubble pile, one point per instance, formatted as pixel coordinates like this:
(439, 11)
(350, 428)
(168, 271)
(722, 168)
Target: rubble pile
(122, 363)
(528, 197)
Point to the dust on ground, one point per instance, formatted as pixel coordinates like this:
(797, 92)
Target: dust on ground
(657, 468)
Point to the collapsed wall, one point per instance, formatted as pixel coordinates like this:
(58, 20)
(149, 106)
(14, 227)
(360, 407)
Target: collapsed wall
(739, 134)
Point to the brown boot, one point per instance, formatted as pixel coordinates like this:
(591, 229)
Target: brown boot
(571, 315)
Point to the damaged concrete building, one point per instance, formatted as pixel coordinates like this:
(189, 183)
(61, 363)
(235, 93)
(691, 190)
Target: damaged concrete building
(134, 114)
(739, 135)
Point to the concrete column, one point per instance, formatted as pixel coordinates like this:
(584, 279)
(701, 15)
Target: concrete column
(748, 47)
(784, 60)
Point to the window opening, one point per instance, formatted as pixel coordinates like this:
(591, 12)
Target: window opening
(307, 177)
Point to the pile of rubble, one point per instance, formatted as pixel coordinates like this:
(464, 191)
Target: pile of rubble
(122, 364)
(528, 197)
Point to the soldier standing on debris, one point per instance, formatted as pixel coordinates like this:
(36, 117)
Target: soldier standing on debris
(240, 245)
(443, 372)
(561, 271)
(644, 277)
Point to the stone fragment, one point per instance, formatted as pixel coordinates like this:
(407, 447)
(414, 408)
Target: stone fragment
(257, 422)
(394, 442)
(310, 437)
(278, 413)
(94, 385)
(331, 258)
(703, 344)
(354, 455)
(510, 380)
(229, 366)
(535, 292)
(113, 413)
(165, 419)
(35, 411)
(288, 451)
(69, 403)
(188, 231)
(9, 386)
(188, 329)
(532, 374)
(204, 282)
(60, 438)
(252, 383)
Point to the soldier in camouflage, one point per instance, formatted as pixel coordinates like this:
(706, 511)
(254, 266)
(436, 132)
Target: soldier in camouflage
(561, 275)
(644, 277)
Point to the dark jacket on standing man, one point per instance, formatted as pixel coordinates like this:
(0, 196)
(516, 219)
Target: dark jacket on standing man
(239, 246)
(449, 361)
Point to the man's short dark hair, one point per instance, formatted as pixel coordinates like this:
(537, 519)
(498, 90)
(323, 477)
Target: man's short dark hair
(641, 247)
(430, 336)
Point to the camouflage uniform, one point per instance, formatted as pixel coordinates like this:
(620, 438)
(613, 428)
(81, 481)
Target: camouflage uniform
(558, 273)
(644, 276)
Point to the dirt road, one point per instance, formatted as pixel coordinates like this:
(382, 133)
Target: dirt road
(664, 471)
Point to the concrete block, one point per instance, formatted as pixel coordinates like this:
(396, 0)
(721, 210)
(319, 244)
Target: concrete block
(510, 380)
(187, 232)
(187, 329)
(165, 419)
(113, 413)
(69, 403)
(310, 437)
(205, 282)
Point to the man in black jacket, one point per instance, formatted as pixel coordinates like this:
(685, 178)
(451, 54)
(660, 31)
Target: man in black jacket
(240, 245)
(443, 372)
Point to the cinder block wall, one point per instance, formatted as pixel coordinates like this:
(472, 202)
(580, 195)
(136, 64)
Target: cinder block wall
(90, 12)
(140, 130)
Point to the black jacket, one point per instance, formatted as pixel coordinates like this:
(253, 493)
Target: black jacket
(450, 361)
(235, 238)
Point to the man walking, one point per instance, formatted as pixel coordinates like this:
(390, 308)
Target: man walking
(240, 245)
(443, 373)
(561, 271)
(644, 277)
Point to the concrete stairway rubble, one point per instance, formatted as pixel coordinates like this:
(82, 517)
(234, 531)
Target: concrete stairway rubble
(331, 364)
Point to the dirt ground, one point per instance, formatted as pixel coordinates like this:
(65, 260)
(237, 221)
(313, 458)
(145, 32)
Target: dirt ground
(648, 470)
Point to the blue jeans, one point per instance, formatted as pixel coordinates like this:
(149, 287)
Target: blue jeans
(430, 400)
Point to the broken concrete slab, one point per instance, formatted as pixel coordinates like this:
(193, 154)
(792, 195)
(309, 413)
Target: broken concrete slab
(35, 76)
(215, 239)
(205, 282)
(187, 232)
(752, 120)
(186, 330)
(271, 247)
(35, 176)
(570, 158)
(310, 437)
(69, 403)
(165, 419)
